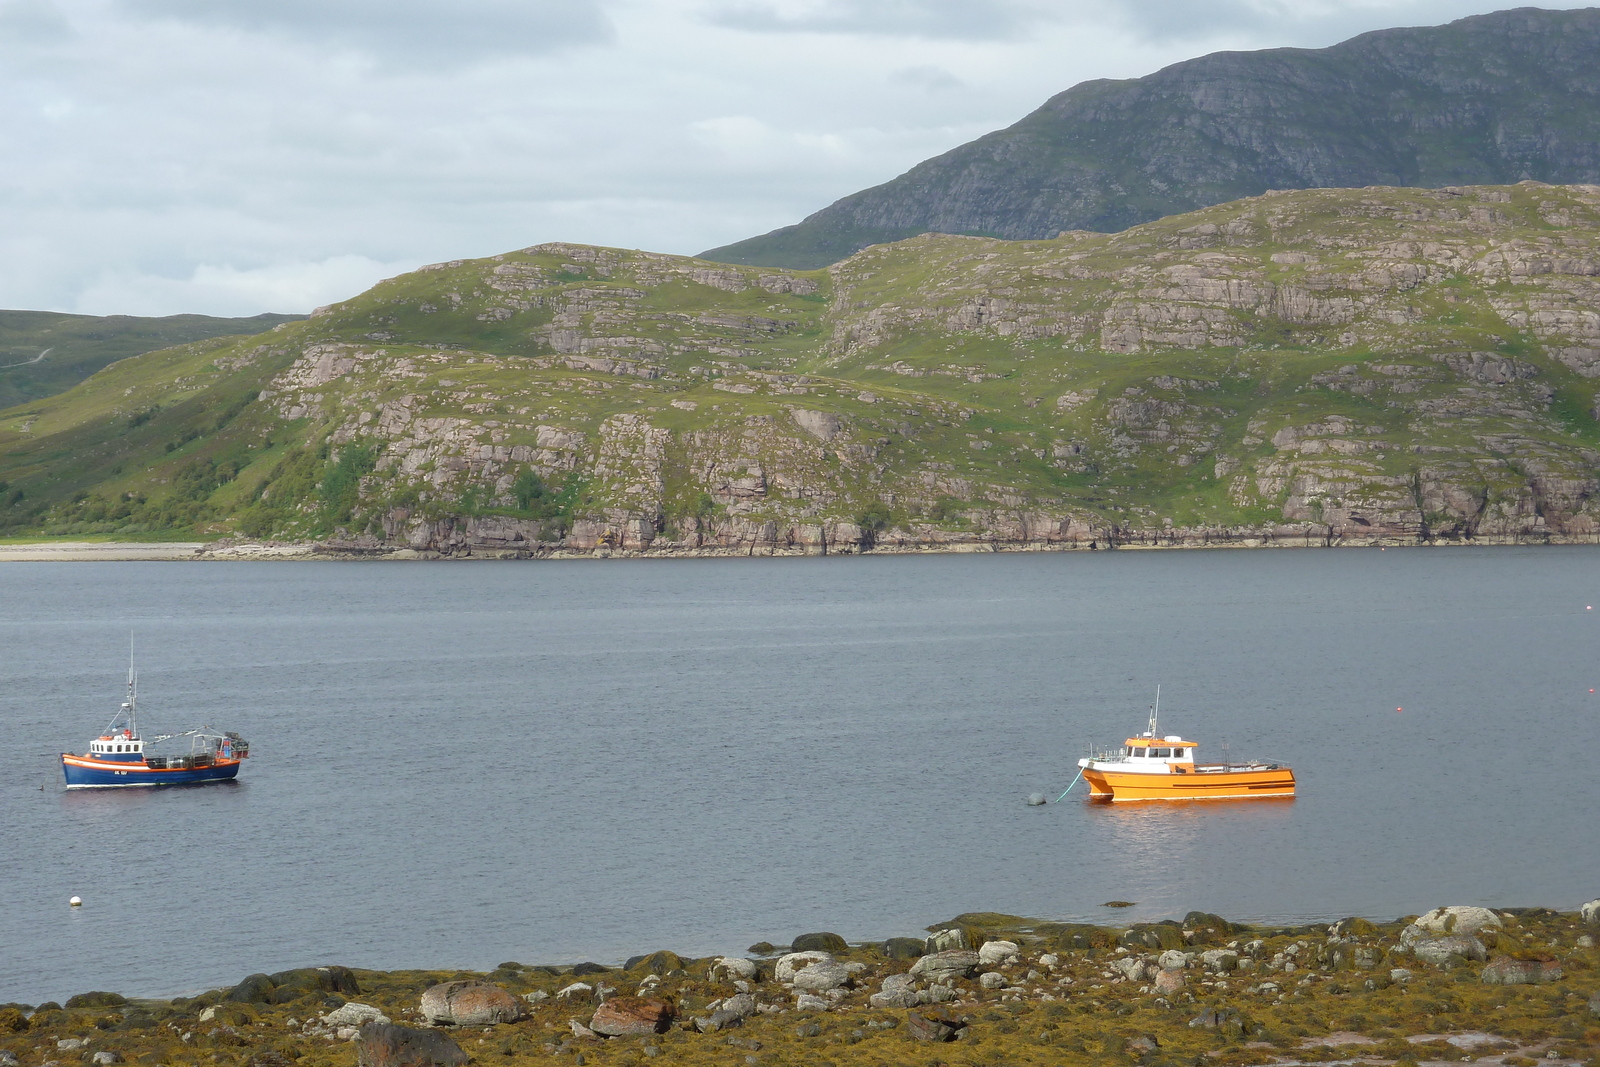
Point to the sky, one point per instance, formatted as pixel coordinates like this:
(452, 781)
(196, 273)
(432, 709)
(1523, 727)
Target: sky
(231, 157)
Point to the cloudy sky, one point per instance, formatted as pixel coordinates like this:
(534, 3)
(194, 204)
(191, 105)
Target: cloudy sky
(238, 156)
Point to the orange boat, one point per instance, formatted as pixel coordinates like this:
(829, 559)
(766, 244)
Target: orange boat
(1156, 767)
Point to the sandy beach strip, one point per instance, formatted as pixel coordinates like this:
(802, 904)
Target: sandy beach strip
(58, 551)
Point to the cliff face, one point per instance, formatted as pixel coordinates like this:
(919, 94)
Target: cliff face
(1301, 367)
(1490, 99)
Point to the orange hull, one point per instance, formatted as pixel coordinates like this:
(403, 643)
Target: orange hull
(1200, 784)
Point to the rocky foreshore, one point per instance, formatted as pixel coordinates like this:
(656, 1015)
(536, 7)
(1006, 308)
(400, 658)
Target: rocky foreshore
(1507, 987)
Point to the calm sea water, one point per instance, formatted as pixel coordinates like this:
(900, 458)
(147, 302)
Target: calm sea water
(458, 764)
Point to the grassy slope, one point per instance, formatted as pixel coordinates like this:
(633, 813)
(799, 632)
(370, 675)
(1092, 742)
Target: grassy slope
(76, 346)
(948, 422)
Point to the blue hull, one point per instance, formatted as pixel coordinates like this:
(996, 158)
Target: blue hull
(139, 775)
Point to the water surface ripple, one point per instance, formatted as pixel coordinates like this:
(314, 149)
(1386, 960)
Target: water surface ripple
(456, 765)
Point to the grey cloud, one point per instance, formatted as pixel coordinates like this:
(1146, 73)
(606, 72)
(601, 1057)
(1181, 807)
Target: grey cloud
(1310, 24)
(927, 77)
(460, 31)
(957, 19)
(32, 23)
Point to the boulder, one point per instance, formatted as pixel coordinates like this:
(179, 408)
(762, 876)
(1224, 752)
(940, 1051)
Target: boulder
(997, 952)
(1458, 920)
(946, 966)
(625, 1016)
(1220, 960)
(786, 967)
(1591, 912)
(353, 1014)
(904, 948)
(1225, 1019)
(656, 962)
(1203, 927)
(811, 1002)
(255, 989)
(1442, 950)
(105, 1059)
(932, 1027)
(1168, 980)
(992, 980)
(1133, 968)
(1504, 970)
(1152, 936)
(823, 942)
(388, 1045)
(105, 1000)
(946, 940)
(292, 985)
(739, 1006)
(1173, 960)
(822, 976)
(580, 970)
(897, 991)
(470, 1004)
(1353, 927)
(733, 969)
(8, 1058)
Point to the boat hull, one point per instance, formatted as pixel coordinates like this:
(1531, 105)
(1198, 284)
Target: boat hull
(83, 773)
(1233, 784)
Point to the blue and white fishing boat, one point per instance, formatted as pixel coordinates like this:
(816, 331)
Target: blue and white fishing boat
(119, 757)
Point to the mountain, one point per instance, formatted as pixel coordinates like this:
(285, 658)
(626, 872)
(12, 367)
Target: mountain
(1312, 367)
(43, 353)
(1490, 99)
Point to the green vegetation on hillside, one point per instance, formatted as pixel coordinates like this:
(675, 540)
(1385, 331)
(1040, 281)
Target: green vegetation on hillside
(43, 353)
(1326, 364)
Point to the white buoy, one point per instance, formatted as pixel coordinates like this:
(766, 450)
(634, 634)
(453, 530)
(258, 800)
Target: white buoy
(1035, 799)
(76, 902)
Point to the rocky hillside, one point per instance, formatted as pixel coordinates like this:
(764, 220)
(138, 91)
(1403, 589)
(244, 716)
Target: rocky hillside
(1302, 367)
(1489, 99)
(43, 352)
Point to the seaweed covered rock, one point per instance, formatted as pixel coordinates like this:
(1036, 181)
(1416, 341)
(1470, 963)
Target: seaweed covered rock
(255, 989)
(388, 1045)
(1158, 936)
(791, 963)
(468, 1003)
(661, 962)
(97, 1000)
(1203, 928)
(904, 948)
(1507, 970)
(822, 942)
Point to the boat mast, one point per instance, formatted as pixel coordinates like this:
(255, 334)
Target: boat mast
(1155, 711)
(133, 690)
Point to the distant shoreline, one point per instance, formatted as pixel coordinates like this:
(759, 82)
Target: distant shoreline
(222, 551)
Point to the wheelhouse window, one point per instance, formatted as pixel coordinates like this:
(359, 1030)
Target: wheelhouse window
(1138, 752)
(1161, 753)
